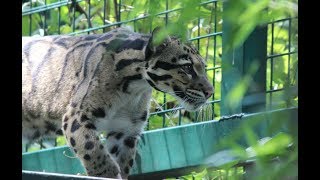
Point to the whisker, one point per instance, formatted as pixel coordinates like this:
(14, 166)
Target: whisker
(160, 107)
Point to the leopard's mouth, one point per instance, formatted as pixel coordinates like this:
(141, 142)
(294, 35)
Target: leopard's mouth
(190, 99)
(191, 103)
(192, 106)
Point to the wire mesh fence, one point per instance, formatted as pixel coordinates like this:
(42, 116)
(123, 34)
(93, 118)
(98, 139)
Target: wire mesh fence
(282, 63)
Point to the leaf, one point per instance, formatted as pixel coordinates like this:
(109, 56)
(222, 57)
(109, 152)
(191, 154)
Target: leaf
(65, 29)
(274, 146)
(25, 26)
(61, 140)
(223, 159)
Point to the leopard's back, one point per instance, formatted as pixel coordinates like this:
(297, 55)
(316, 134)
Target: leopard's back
(56, 68)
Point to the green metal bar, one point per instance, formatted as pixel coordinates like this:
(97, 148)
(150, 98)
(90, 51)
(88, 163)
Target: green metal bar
(202, 115)
(289, 63)
(255, 50)
(179, 122)
(59, 19)
(41, 145)
(104, 14)
(150, 30)
(205, 36)
(45, 20)
(164, 94)
(89, 13)
(284, 19)
(232, 65)
(198, 40)
(213, 68)
(165, 111)
(274, 90)
(208, 2)
(282, 54)
(281, 89)
(27, 147)
(164, 107)
(198, 46)
(119, 12)
(47, 7)
(167, 13)
(237, 63)
(74, 16)
(214, 56)
(271, 66)
(30, 20)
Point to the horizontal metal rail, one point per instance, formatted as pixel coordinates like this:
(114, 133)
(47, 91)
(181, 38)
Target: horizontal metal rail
(178, 108)
(280, 20)
(282, 54)
(63, 3)
(205, 36)
(47, 7)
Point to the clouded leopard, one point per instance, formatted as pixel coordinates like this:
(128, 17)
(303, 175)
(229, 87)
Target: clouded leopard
(82, 85)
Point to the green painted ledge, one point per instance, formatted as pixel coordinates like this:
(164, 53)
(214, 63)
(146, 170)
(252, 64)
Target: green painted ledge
(167, 152)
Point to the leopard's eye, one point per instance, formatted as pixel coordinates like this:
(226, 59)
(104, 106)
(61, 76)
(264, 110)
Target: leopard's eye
(187, 68)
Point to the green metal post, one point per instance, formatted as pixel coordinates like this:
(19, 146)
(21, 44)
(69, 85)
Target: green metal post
(236, 64)
(255, 50)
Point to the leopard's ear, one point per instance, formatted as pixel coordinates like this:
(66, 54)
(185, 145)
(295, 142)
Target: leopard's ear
(158, 37)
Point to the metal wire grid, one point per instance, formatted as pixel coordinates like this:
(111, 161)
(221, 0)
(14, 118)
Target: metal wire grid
(165, 112)
(282, 63)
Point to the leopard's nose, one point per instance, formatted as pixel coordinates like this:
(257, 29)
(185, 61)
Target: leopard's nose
(208, 92)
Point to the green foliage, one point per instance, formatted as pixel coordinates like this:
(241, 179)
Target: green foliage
(245, 15)
(274, 157)
(61, 140)
(196, 176)
(285, 68)
(209, 174)
(34, 147)
(235, 95)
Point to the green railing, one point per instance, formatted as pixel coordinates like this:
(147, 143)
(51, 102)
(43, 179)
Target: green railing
(171, 152)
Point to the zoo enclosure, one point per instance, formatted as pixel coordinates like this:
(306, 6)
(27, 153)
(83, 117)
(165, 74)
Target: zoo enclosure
(279, 66)
(275, 45)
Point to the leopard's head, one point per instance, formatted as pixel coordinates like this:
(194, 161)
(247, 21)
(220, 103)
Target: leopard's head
(178, 69)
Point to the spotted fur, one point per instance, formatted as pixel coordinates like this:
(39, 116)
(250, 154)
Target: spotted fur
(86, 84)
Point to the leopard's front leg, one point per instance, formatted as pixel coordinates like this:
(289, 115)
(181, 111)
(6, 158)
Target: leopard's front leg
(82, 136)
(122, 143)
(123, 149)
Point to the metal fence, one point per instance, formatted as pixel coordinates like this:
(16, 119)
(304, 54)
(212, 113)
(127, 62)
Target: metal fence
(76, 17)
(282, 63)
